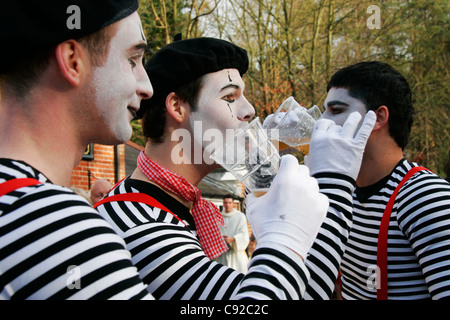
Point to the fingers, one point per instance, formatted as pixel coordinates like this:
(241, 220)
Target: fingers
(366, 129)
(288, 162)
(308, 183)
(267, 120)
(279, 117)
(322, 125)
(294, 117)
(351, 124)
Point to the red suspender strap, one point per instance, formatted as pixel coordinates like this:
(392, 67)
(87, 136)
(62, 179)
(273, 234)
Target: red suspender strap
(14, 184)
(383, 236)
(136, 197)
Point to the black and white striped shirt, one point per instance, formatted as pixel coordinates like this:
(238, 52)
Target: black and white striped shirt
(171, 261)
(54, 245)
(418, 240)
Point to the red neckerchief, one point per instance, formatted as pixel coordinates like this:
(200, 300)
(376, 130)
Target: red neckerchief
(206, 215)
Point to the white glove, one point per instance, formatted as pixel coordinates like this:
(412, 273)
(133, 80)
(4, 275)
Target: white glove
(291, 212)
(336, 149)
(294, 117)
(276, 120)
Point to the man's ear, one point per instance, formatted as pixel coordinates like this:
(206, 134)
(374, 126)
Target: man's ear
(71, 57)
(176, 107)
(382, 114)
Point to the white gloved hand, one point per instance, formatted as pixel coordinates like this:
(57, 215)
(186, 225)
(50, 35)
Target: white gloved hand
(336, 149)
(291, 212)
(294, 117)
(276, 121)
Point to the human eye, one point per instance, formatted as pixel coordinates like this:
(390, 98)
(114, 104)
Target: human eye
(336, 109)
(135, 60)
(229, 98)
(132, 63)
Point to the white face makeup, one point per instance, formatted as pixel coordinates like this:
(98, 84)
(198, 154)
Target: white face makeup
(339, 104)
(221, 104)
(121, 83)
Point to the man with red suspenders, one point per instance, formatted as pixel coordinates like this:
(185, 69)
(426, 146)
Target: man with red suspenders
(399, 243)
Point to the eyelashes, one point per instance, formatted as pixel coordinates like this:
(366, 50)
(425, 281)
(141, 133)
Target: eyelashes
(132, 63)
(229, 98)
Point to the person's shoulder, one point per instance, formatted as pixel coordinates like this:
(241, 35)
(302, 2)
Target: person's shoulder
(57, 193)
(61, 202)
(424, 178)
(424, 193)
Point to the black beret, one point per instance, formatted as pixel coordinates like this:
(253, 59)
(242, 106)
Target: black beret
(28, 27)
(184, 61)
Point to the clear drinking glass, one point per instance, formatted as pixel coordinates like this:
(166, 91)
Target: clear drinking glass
(292, 125)
(250, 156)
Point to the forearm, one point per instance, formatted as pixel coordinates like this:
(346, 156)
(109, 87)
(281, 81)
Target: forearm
(326, 253)
(275, 273)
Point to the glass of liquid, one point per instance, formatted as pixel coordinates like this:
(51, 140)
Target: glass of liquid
(291, 126)
(250, 156)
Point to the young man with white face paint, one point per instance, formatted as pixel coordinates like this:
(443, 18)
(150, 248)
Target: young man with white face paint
(171, 230)
(60, 90)
(121, 82)
(222, 106)
(418, 236)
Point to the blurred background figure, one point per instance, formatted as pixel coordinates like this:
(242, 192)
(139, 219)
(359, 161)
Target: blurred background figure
(235, 233)
(99, 189)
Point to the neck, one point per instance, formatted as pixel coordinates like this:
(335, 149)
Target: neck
(162, 154)
(167, 155)
(36, 132)
(378, 161)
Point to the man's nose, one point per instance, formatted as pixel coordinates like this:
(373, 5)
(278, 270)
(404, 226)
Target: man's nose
(246, 112)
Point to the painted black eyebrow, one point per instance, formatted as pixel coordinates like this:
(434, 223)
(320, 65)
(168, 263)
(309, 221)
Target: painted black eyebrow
(140, 46)
(336, 102)
(234, 86)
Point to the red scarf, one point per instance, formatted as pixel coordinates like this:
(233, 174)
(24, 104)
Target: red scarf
(206, 215)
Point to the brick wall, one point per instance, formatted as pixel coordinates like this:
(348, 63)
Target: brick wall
(100, 167)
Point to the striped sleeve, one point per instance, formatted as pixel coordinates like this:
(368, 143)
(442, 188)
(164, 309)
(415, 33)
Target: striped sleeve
(325, 256)
(275, 273)
(424, 217)
(172, 263)
(53, 245)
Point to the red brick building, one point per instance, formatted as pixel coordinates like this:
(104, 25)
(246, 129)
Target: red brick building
(99, 162)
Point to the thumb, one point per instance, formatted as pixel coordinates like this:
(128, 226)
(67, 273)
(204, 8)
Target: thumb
(267, 120)
(288, 162)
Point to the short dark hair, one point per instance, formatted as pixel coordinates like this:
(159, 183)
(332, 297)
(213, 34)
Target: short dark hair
(228, 196)
(22, 77)
(154, 119)
(376, 84)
